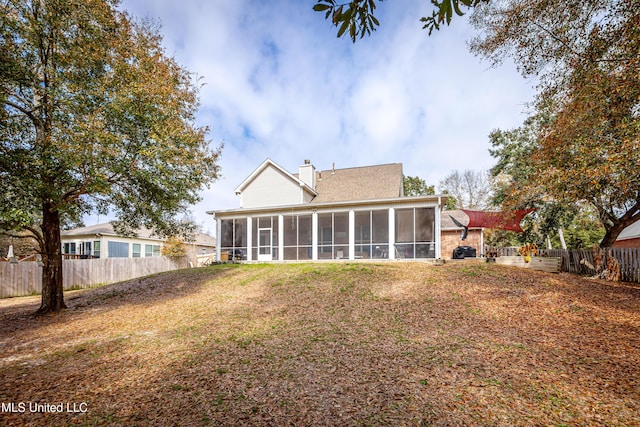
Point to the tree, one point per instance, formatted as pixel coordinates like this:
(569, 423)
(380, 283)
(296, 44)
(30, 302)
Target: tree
(358, 16)
(415, 186)
(470, 189)
(585, 55)
(94, 117)
(174, 247)
(515, 172)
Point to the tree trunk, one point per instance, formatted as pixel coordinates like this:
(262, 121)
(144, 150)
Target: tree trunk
(612, 233)
(52, 287)
(563, 244)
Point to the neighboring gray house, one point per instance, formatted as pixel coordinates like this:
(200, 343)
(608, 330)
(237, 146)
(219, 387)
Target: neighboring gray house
(353, 213)
(101, 241)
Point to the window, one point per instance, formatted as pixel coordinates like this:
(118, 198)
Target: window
(372, 234)
(96, 249)
(118, 249)
(136, 250)
(297, 237)
(325, 234)
(415, 233)
(151, 250)
(70, 248)
(233, 237)
(85, 248)
(333, 235)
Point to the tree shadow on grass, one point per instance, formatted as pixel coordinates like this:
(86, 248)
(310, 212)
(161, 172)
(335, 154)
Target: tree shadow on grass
(19, 314)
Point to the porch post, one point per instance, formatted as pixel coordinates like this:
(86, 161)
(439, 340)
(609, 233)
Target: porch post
(249, 237)
(352, 235)
(314, 236)
(392, 233)
(437, 231)
(218, 240)
(280, 237)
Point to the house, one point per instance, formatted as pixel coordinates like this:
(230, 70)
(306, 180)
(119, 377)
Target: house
(101, 241)
(201, 245)
(629, 237)
(348, 214)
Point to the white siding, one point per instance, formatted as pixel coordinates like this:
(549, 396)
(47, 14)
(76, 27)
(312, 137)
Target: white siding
(271, 188)
(104, 243)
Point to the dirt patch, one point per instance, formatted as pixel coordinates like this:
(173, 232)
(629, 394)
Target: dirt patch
(329, 344)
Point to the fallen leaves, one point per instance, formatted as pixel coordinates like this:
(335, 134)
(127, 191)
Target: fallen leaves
(331, 344)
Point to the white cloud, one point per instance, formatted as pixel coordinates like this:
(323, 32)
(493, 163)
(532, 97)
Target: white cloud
(279, 84)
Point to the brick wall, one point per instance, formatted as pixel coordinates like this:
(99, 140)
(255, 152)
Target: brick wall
(627, 243)
(451, 240)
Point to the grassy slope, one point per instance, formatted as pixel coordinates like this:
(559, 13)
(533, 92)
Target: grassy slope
(331, 344)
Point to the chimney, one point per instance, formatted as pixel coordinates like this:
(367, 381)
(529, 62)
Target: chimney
(307, 174)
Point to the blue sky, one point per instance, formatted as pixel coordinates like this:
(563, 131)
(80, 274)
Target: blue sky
(279, 84)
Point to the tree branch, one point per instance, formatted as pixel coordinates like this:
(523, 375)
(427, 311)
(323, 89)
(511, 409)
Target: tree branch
(22, 109)
(35, 234)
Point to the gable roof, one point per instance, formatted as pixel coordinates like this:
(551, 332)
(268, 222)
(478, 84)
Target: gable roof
(359, 183)
(270, 163)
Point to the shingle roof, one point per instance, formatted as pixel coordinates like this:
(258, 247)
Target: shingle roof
(107, 229)
(359, 183)
(143, 233)
(446, 223)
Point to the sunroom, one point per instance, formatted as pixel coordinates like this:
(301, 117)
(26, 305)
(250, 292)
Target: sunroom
(406, 228)
(338, 214)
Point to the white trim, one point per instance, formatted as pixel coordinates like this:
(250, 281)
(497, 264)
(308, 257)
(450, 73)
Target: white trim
(418, 201)
(281, 237)
(438, 232)
(267, 163)
(218, 238)
(249, 238)
(269, 256)
(314, 236)
(392, 233)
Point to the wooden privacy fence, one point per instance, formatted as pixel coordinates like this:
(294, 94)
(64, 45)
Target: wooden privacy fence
(581, 261)
(25, 278)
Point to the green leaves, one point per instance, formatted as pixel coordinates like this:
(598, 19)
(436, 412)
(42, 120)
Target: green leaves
(356, 16)
(416, 186)
(105, 120)
(584, 147)
(444, 12)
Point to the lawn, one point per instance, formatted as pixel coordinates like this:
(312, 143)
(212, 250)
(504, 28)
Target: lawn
(328, 344)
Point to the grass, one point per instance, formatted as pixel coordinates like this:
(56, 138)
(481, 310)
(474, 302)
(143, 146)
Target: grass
(330, 344)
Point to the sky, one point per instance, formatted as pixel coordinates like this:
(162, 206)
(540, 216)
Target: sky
(279, 84)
